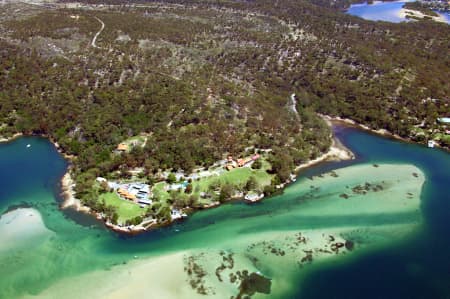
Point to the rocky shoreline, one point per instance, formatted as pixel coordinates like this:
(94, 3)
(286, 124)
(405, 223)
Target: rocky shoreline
(9, 139)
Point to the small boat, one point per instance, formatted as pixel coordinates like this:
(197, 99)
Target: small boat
(28, 145)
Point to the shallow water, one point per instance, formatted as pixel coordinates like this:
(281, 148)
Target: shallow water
(29, 177)
(418, 268)
(383, 11)
(378, 11)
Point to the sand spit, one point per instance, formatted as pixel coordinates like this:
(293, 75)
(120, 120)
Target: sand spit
(412, 14)
(213, 273)
(161, 277)
(337, 152)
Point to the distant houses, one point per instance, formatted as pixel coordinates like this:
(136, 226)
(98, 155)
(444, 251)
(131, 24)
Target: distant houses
(129, 144)
(122, 147)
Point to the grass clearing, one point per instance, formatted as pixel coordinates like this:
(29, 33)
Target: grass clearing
(125, 209)
(236, 177)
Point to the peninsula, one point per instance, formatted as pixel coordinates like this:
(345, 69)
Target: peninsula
(168, 107)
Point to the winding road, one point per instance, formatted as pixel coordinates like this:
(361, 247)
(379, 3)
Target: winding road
(293, 105)
(97, 34)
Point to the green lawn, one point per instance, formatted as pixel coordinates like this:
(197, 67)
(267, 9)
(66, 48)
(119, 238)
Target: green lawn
(237, 176)
(125, 209)
(158, 188)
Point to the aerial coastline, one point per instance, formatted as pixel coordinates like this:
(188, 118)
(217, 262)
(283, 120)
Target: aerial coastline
(273, 255)
(336, 152)
(224, 149)
(276, 252)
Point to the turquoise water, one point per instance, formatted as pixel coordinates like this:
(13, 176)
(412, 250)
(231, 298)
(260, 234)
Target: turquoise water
(383, 11)
(419, 268)
(378, 11)
(29, 177)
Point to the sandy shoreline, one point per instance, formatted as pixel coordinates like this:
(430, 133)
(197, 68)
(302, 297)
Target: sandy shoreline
(403, 13)
(337, 152)
(352, 123)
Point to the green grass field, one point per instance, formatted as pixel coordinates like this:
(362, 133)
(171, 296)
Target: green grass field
(237, 177)
(125, 209)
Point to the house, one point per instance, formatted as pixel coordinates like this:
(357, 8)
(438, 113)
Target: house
(125, 194)
(204, 195)
(100, 180)
(113, 185)
(255, 157)
(240, 162)
(177, 214)
(123, 147)
(145, 201)
(229, 167)
(243, 162)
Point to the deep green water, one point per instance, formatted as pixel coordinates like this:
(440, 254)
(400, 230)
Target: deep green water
(416, 268)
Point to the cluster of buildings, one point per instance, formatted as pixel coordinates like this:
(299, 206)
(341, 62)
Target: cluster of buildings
(231, 163)
(444, 129)
(139, 193)
(136, 192)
